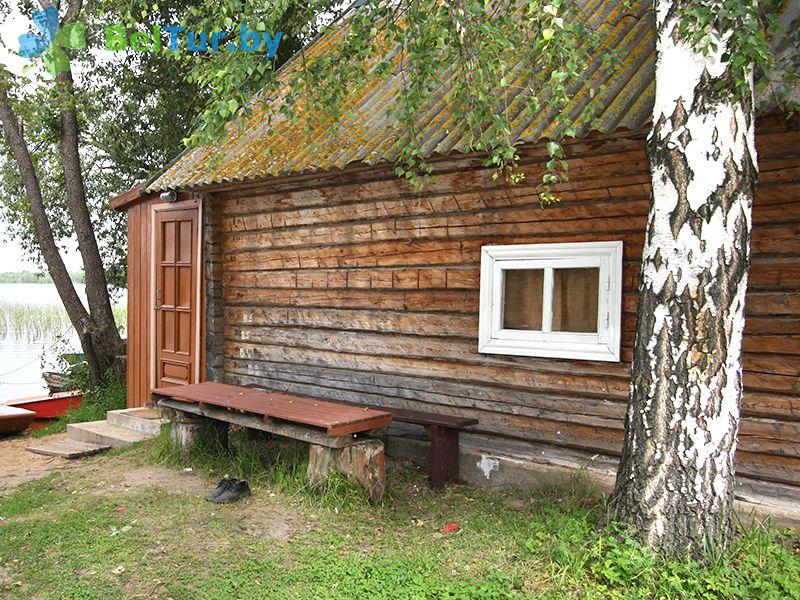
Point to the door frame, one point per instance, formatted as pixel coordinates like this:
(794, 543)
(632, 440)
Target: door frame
(193, 204)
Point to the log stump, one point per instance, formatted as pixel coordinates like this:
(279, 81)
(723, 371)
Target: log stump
(183, 427)
(363, 463)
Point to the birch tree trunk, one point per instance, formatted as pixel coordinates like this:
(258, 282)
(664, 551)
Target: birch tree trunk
(675, 481)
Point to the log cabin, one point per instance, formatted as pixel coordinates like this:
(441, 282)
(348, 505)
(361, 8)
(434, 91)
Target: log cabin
(293, 257)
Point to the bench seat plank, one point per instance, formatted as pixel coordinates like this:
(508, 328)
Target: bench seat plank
(425, 418)
(337, 419)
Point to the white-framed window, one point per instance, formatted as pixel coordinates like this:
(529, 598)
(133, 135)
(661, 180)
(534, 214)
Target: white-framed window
(552, 300)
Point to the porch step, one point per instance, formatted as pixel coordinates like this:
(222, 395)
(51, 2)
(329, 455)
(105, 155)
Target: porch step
(101, 432)
(143, 420)
(67, 448)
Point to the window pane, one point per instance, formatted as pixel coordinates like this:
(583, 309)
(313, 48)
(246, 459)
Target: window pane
(575, 298)
(522, 299)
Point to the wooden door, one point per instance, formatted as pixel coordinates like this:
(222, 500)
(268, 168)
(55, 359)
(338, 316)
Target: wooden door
(176, 296)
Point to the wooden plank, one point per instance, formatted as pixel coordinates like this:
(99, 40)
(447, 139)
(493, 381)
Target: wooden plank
(67, 449)
(297, 432)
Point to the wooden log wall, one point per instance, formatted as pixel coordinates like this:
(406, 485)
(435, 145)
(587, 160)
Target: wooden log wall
(352, 285)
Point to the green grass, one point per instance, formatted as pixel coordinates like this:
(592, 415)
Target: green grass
(43, 321)
(97, 401)
(58, 540)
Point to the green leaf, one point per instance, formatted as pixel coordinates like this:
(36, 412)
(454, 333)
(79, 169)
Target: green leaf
(548, 33)
(55, 60)
(71, 36)
(554, 149)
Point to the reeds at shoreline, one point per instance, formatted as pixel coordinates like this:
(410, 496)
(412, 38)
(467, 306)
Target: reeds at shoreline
(43, 321)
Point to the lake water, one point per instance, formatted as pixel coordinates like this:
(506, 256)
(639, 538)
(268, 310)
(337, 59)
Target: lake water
(21, 359)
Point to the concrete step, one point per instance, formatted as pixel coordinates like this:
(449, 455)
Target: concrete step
(100, 432)
(143, 420)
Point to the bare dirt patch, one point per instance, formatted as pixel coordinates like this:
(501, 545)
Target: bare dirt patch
(261, 519)
(170, 480)
(18, 466)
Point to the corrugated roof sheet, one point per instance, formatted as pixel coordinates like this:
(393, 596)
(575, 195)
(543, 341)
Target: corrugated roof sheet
(257, 148)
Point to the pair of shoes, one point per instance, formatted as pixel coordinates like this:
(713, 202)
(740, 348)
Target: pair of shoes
(228, 490)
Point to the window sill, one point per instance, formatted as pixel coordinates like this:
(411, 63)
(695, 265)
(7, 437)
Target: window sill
(542, 349)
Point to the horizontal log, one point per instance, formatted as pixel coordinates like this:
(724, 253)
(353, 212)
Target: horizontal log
(773, 344)
(406, 300)
(772, 240)
(768, 273)
(777, 364)
(777, 406)
(766, 382)
(769, 327)
(772, 303)
(410, 323)
(408, 278)
(769, 436)
(781, 469)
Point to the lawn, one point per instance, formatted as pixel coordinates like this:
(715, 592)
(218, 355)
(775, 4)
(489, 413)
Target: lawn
(134, 524)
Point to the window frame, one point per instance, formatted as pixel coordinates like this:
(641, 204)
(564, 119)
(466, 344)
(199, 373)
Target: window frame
(603, 345)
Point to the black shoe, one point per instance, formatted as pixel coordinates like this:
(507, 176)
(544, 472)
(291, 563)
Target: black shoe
(236, 491)
(222, 487)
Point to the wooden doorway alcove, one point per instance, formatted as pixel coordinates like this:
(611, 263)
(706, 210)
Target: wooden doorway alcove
(176, 293)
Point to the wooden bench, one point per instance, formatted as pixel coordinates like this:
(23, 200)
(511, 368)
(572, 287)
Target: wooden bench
(443, 431)
(329, 428)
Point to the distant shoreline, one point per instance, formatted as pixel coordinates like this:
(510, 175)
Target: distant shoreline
(32, 277)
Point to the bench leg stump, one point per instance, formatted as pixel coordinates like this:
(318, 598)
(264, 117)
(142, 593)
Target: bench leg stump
(444, 455)
(183, 429)
(363, 463)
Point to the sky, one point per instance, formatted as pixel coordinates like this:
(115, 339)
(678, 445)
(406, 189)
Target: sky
(12, 257)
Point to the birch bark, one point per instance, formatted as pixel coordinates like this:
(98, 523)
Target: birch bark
(675, 481)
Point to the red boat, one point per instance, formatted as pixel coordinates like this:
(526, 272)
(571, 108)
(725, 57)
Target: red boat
(48, 406)
(15, 420)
